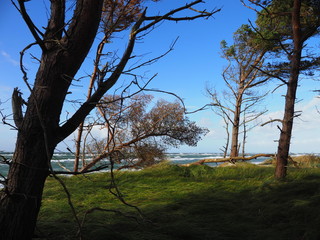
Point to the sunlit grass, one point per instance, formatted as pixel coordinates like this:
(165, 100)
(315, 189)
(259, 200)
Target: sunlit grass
(197, 202)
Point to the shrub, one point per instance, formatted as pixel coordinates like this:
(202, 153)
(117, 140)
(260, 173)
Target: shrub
(304, 161)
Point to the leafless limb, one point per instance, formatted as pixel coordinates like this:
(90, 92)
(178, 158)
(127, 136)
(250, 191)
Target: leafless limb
(107, 210)
(4, 161)
(257, 11)
(96, 169)
(268, 73)
(205, 107)
(118, 194)
(153, 60)
(80, 114)
(226, 127)
(271, 121)
(167, 16)
(279, 86)
(228, 159)
(5, 122)
(32, 27)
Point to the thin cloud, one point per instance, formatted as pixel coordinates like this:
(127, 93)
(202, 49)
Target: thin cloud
(8, 58)
(305, 137)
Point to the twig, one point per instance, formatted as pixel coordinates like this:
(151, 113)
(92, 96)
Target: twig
(119, 195)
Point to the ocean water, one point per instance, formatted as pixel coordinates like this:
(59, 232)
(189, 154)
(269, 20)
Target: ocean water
(64, 161)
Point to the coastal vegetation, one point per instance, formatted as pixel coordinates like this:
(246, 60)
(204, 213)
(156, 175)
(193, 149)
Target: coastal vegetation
(65, 42)
(161, 201)
(304, 161)
(176, 202)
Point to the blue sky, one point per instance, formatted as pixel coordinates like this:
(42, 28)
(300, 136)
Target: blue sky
(194, 63)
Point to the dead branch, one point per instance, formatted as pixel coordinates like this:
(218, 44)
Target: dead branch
(167, 16)
(271, 121)
(107, 210)
(97, 169)
(32, 27)
(229, 159)
(293, 162)
(118, 194)
(271, 75)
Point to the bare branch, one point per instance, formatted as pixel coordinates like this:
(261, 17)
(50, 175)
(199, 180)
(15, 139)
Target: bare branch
(167, 16)
(84, 110)
(104, 86)
(228, 159)
(33, 29)
(270, 75)
(271, 121)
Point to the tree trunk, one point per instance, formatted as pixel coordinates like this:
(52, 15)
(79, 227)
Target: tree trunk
(226, 147)
(244, 139)
(234, 141)
(21, 201)
(63, 52)
(39, 134)
(235, 129)
(90, 89)
(287, 122)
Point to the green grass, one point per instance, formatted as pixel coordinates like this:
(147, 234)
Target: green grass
(196, 202)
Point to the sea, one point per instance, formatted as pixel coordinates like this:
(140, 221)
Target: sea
(63, 161)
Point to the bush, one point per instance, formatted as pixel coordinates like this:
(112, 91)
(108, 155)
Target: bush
(307, 161)
(304, 161)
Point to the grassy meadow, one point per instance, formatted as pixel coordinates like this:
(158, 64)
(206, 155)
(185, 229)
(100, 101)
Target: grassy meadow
(176, 202)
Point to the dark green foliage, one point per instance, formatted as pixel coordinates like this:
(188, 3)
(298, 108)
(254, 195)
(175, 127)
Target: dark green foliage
(195, 202)
(275, 21)
(246, 40)
(275, 28)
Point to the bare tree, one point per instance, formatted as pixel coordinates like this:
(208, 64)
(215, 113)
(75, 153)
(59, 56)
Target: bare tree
(118, 16)
(138, 137)
(222, 113)
(64, 45)
(242, 77)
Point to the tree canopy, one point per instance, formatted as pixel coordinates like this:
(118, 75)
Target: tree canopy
(136, 128)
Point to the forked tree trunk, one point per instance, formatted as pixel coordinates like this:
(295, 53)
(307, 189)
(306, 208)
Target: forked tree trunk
(287, 122)
(40, 132)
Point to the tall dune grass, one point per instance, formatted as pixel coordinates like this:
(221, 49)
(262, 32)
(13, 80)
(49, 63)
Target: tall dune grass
(197, 202)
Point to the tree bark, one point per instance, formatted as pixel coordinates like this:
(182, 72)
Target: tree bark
(235, 135)
(228, 159)
(38, 136)
(63, 52)
(287, 122)
(235, 126)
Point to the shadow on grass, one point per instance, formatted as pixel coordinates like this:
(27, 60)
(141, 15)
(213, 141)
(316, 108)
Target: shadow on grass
(211, 209)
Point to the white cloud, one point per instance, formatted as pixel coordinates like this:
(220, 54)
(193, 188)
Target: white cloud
(8, 58)
(305, 136)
